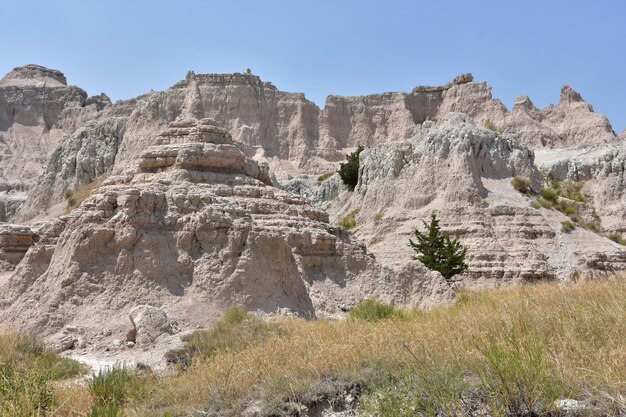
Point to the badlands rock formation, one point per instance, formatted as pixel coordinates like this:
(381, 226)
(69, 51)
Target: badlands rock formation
(192, 225)
(188, 219)
(602, 169)
(288, 131)
(37, 108)
(463, 172)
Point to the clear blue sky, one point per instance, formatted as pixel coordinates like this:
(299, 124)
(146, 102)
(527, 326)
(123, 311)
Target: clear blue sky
(125, 48)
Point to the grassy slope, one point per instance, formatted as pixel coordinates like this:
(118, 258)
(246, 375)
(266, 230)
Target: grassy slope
(27, 375)
(500, 351)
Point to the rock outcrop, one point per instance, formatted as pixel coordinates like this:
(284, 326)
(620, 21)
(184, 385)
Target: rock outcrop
(572, 122)
(191, 226)
(463, 172)
(602, 169)
(37, 108)
(284, 129)
(14, 243)
(80, 158)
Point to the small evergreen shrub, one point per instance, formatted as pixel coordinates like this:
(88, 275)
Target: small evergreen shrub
(349, 220)
(617, 238)
(349, 170)
(438, 252)
(69, 197)
(373, 310)
(549, 194)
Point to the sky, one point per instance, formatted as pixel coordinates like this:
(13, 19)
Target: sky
(343, 47)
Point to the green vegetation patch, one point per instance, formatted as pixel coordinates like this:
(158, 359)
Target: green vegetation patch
(522, 184)
(373, 310)
(349, 220)
(324, 177)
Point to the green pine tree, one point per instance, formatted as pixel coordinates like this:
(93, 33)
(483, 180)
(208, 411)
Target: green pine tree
(438, 252)
(349, 170)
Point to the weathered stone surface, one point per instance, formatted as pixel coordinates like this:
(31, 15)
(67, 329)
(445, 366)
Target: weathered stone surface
(80, 158)
(463, 172)
(191, 235)
(602, 169)
(148, 323)
(14, 243)
(37, 109)
(283, 129)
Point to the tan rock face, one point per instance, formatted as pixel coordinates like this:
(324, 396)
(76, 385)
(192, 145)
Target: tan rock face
(463, 173)
(284, 129)
(36, 109)
(14, 243)
(601, 168)
(192, 226)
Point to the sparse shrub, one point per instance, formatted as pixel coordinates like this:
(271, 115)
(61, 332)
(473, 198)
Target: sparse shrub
(24, 392)
(349, 220)
(431, 387)
(108, 410)
(349, 170)
(549, 194)
(373, 310)
(518, 376)
(567, 207)
(572, 190)
(617, 238)
(567, 226)
(69, 197)
(324, 177)
(491, 126)
(110, 388)
(82, 192)
(379, 216)
(438, 252)
(27, 372)
(522, 184)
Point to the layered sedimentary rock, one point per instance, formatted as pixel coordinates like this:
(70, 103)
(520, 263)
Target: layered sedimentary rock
(14, 243)
(572, 122)
(192, 225)
(463, 172)
(80, 158)
(37, 108)
(284, 129)
(602, 169)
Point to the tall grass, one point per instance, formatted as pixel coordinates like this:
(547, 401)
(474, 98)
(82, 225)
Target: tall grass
(502, 352)
(27, 372)
(520, 348)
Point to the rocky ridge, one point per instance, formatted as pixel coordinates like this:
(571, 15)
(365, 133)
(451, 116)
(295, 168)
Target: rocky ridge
(192, 225)
(37, 108)
(294, 136)
(463, 172)
(175, 182)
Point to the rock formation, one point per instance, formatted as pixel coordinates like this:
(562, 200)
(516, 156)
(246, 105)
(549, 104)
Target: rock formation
(14, 243)
(284, 129)
(176, 183)
(602, 169)
(192, 225)
(463, 172)
(37, 108)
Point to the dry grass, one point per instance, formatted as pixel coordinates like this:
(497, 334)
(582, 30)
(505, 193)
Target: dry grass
(551, 341)
(520, 348)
